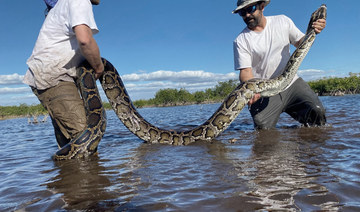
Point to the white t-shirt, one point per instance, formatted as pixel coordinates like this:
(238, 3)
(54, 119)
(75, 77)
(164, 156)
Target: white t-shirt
(56, 53)
(268, 51)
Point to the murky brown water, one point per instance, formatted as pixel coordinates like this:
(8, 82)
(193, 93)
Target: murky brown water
(290, 168)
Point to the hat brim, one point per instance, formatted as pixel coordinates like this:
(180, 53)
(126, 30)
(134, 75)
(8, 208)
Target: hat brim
(245, 4)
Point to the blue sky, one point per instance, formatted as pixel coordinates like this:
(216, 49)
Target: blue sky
(187, 44)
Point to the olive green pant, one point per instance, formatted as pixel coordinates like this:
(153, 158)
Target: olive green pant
(66, 109)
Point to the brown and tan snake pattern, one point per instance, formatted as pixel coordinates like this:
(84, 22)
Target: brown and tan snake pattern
(86, 143)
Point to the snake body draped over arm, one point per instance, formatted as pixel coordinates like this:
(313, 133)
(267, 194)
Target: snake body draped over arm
(86, 143)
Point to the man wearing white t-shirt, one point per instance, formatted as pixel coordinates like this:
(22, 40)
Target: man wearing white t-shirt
(262, 50)
(65, 40)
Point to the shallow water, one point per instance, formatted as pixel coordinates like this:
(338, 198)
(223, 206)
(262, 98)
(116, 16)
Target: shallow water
(289, 168)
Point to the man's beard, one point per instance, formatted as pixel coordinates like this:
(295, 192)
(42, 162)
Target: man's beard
(251, 22)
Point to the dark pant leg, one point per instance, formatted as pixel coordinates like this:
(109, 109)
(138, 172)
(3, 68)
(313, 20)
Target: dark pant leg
(266, 112)
(302, 104)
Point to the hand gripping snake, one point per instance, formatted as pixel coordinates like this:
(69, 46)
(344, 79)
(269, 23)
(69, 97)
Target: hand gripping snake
(86, 142)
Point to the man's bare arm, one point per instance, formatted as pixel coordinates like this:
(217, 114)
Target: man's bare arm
(89, 48)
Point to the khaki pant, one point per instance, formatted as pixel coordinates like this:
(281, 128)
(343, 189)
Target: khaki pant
(66, 109)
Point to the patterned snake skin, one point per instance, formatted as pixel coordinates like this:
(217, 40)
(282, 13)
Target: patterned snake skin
(86, 143)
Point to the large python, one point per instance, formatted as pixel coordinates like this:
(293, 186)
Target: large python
(86, 143)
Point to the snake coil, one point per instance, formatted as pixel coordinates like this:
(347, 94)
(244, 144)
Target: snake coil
(86, 143)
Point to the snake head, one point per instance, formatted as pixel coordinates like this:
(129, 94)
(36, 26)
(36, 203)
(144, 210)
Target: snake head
(320, 13)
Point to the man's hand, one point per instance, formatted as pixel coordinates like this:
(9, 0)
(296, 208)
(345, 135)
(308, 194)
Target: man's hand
(99, 71)
(319, 25)
(245, 75)
(255, 98)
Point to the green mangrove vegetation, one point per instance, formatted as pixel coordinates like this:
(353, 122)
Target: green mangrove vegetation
(21, 110)
(335, 86)
(174, 97)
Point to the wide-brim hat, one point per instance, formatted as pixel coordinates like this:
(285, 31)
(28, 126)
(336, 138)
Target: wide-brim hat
(244, 3)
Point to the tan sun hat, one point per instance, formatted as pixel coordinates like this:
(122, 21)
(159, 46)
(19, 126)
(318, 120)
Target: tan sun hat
(244, 3)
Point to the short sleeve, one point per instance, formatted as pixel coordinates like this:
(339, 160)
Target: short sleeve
(81, 13)
(242, 55)
(294, 33)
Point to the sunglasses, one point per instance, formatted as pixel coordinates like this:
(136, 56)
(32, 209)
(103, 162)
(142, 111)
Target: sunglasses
(247, 10)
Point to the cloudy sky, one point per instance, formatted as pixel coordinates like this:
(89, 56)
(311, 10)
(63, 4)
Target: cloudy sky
(175, 44)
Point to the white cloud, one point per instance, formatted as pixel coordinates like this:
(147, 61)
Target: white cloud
(145, 85)
(7, 90)
(181, 76)
(12, 79)
(159, 85)
(148, 90)
(8, 100)
(315, 74)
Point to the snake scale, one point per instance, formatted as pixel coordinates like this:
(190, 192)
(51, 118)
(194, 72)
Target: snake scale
(86, 142)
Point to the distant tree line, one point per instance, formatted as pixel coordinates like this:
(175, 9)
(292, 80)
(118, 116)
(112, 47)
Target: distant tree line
(173, 97)
(22, 110)
(337, 86)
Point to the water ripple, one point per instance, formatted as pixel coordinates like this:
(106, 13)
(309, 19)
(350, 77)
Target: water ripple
(291, 168)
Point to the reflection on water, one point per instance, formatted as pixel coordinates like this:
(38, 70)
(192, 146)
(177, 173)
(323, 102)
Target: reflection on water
(290, 168)
(82, 183)
(280, 172)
